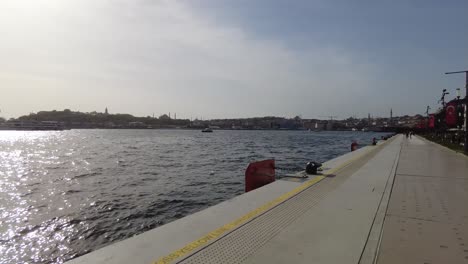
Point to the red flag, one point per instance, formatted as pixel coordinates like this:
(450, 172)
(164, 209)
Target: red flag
(431, 121)
(422, 124)
(451, 114)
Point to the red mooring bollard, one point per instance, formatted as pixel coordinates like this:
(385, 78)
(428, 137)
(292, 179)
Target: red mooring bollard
(354, 146)
(258, 174)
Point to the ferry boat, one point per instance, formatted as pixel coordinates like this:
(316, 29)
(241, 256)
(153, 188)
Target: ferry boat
(207, 130)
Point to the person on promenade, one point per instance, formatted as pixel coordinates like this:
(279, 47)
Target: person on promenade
(374, 141)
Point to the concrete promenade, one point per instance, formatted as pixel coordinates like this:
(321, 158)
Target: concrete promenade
(403, 201)
(427, 217)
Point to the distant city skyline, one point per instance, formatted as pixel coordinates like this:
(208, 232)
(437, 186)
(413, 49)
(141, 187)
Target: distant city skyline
(68, 119)
(192, 117)
(230, 59)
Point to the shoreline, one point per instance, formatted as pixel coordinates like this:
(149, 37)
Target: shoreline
(199, 129)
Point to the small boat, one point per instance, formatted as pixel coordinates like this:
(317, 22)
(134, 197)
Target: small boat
(207, 130)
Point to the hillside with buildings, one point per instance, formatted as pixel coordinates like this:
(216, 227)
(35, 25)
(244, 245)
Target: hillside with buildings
(106, 120)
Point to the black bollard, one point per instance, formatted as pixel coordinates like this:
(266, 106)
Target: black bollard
(312, 167)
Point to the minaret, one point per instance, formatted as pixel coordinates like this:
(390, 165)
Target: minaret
(106, 112)
(391, 116)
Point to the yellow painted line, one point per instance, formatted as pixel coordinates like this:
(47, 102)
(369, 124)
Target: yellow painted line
(253, 214)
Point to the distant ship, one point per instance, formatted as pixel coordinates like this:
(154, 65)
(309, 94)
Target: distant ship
(207, 130)
(32, 125)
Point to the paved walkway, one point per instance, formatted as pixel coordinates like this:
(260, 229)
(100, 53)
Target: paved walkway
(427, 216)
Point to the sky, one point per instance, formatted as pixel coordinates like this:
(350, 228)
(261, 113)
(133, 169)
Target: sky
(228, 59)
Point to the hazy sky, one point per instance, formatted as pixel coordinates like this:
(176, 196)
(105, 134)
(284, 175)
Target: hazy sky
(236, 58)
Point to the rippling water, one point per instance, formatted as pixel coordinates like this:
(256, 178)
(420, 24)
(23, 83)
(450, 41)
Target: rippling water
(65, 193)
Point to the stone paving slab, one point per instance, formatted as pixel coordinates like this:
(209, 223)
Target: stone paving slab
(427, 218)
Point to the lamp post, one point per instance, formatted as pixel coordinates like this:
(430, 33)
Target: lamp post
(460, 110)
(442, 98)
(427, 115)
(466, 106)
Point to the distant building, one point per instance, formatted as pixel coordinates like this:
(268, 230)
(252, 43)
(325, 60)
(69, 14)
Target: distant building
(315, 124)
(137, 124)
(106, 112)
(109, 124)
(165, 117)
